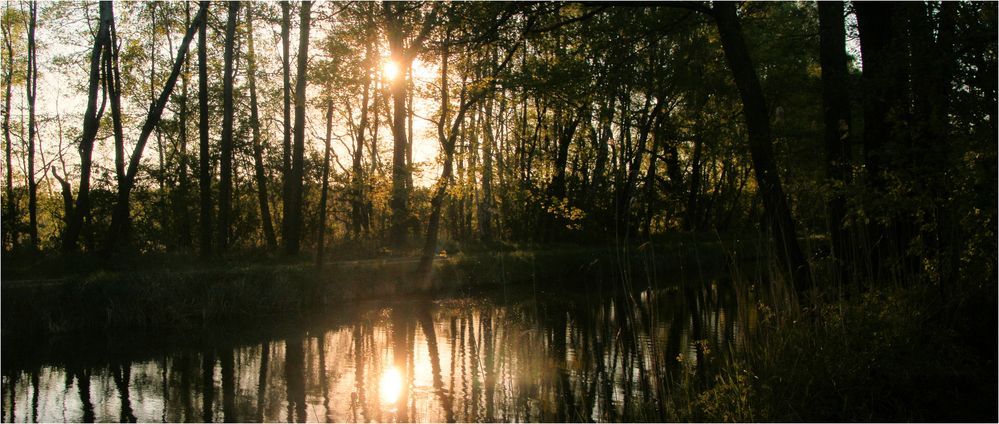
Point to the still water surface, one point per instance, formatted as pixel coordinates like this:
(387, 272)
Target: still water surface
(529, 356)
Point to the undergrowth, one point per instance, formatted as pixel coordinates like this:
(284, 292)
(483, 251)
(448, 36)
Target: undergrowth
(902, 354)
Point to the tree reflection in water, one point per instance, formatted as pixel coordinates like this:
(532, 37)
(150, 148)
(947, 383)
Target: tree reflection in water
(565, 358)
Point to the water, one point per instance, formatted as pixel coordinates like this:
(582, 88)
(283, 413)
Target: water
(518, 355)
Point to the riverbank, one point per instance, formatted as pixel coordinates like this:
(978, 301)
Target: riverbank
(912, 354)
(177, 295)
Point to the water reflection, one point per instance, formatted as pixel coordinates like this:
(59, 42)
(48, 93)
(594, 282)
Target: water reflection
(542, 358)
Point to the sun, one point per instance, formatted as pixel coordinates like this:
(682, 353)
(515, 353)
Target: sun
(390, 70)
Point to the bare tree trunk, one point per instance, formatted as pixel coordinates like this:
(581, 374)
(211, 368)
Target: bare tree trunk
(119, 216)
(31, 84)
(91, 121)
(10, 214)
(778, 213)
(294, 214)
(225, 165)
(286, 176)
(258, 148)
(320, 251)
(204, 159)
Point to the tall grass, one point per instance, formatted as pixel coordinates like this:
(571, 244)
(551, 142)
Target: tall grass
(893, 352)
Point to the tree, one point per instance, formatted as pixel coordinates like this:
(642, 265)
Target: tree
(10, 213)
(778, 214)
(323, 210)
(120, 218)
(836, 114)
(286, 121)
(447, 135)
(402, 56)
(183, 186)
(91, 121)
(204, 159)
(31, 88)
(294, 213)
(258, 148)
(225, 172)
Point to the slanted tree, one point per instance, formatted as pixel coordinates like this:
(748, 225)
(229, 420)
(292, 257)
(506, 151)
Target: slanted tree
(778, 214)
(119, 217)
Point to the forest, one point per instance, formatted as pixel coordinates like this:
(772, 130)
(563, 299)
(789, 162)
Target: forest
(853, 142)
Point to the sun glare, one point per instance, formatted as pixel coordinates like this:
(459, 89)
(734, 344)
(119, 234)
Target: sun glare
(390, 70)
(390, 386)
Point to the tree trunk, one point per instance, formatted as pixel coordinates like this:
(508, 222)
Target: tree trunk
(258, 148)
(292, 243)
(119, 218)
(836, 113)
(112, 85)
(399, 198)
(447, 141)
(627, 187)
(204, 159)
(67, 194)
(286, 176)
(358, 214)
(884, 79)
(10, 220)
(778, 214)
(225, 162)
(183, 189)
(486, 204)
(31, 84)
(91, 121)
(160, 174)
(321, 249)
(565, 132)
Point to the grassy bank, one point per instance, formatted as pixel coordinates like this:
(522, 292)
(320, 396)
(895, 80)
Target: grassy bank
(912, 354)
(174, 294)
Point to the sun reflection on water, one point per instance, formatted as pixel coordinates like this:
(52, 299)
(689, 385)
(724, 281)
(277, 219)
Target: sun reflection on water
(390, 386)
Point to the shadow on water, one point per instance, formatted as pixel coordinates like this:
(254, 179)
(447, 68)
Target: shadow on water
(571, 355)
